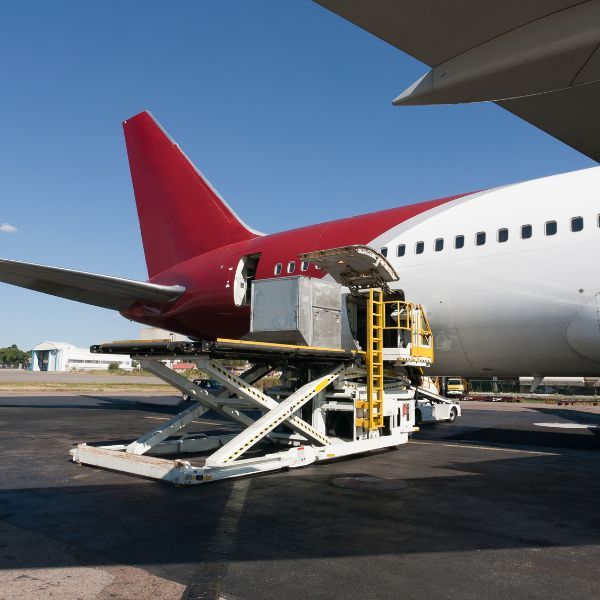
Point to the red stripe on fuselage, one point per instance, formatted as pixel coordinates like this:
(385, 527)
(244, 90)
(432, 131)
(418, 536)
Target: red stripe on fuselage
(286, 246)
(207, 309)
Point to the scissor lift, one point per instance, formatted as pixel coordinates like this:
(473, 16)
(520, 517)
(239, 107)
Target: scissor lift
(334, 402)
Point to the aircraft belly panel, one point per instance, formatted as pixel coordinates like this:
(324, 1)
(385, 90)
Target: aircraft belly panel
(437, 301)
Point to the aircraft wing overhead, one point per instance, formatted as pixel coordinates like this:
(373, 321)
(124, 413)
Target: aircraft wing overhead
(99, 290)
(571, 116)
(538, 59)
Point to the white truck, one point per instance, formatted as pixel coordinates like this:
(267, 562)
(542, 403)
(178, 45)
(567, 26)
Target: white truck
(433, 408)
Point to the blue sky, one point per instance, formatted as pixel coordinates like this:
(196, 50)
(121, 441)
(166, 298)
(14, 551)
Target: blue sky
(284, 106)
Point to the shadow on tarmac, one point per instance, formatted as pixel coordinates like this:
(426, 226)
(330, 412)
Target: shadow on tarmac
(433, 499)
(574, 416)
(515, 502)
(519, 430)
(98, 403)
(546, 438)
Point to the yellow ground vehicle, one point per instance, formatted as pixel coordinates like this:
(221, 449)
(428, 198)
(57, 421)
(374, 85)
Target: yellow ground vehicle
(455, 386)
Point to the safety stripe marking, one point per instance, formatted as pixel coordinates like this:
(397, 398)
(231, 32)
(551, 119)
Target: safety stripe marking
(476, 447)
(285, 415)
(298, 423)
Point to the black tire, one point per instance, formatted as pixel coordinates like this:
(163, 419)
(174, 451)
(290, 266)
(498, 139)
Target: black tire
(418, 417)
(453, 415)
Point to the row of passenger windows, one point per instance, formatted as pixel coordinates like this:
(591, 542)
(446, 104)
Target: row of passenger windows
(291, 267)
(550, 228)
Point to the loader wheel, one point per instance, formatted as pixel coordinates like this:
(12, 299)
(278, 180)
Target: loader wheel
(453, 415)
(418, 417)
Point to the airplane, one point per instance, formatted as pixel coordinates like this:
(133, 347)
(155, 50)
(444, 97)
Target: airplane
(501, 272)
(540, 60)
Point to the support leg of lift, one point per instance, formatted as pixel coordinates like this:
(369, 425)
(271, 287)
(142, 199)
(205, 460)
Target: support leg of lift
(193, 391)
(226, 463)
(153, 438)
(259, 399)
(277, 415)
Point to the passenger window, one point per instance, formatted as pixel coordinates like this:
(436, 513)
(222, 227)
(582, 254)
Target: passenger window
(277, 270)
(480, 238)
(304, 266)
(550, 227)
(291, 266)
(401, 250)
(459, 242)
(502, 235)
(526, 231)
(383, 252)
(419, 247)
(438, 245)
(576, 223)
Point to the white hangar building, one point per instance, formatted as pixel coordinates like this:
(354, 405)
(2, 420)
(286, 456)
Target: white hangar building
(59, 356)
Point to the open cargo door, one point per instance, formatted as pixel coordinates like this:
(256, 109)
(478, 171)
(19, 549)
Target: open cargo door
(356, 267)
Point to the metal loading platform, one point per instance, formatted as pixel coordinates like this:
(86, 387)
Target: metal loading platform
(330, 402)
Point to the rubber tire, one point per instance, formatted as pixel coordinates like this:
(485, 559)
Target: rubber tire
(453, 415)
(418, 417)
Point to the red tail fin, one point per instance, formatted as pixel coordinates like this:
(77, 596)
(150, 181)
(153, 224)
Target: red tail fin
(180, 214)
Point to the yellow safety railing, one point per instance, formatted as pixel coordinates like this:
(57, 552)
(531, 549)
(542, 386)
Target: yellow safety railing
(409, 317)
(390, 315)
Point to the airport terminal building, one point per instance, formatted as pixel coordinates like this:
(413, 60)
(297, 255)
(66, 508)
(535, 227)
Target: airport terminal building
(60, 356)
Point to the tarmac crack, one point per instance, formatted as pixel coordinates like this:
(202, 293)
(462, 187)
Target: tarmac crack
(207, 581)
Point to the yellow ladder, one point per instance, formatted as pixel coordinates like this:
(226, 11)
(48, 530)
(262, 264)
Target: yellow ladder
(374, 358)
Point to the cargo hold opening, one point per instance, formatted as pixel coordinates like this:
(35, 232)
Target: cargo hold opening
(356, 307)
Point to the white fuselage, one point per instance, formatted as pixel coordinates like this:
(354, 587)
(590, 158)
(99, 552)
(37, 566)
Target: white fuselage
(519, 307)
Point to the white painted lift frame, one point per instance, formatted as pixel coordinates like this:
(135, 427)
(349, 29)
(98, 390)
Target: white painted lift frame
(307, 444)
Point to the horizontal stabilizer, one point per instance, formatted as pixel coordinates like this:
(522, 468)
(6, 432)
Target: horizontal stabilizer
(99, 290)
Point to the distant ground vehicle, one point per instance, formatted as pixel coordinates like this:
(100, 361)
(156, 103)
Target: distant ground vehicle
(435, 409)
(210, 385)
(455, 386)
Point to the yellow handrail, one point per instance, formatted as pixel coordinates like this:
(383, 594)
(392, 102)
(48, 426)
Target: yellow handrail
(410, 317)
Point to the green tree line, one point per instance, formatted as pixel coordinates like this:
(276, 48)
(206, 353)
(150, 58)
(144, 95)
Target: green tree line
(12, 355)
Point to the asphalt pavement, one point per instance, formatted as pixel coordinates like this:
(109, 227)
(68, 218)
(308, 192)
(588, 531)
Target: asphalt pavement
(503, 503)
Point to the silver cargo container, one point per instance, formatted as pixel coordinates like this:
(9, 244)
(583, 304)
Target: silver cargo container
(296, 310)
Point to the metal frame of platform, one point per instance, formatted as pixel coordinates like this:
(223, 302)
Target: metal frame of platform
(304, 442)
(339, 402)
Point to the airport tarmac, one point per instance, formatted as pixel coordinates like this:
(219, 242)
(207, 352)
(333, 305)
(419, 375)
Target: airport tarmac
(502, 503)
(25, 376)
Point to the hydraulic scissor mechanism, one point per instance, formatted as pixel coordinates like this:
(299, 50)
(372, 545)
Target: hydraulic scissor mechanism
(327, 402)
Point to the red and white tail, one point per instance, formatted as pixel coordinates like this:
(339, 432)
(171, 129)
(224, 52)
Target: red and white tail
(181, 215)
